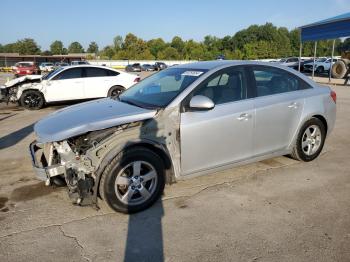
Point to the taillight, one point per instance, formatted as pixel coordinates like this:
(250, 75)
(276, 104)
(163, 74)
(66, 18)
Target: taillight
(137, 79)
(334, 96)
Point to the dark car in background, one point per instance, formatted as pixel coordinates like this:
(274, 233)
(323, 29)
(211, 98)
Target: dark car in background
(159, 66)
(136, 67)
(147, 67)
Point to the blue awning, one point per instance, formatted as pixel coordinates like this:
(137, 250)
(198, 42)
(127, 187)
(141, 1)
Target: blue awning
(331, 28)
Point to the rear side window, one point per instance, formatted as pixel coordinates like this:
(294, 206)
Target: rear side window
(69, 74)
(227, 85)
(112, 73)
(96, 72)
(270, 81)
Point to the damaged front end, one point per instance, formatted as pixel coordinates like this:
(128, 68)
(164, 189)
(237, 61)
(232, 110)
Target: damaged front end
(58, 161)
(10, 92)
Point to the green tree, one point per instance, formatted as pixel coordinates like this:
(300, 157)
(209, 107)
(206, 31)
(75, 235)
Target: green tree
(118, 43)
(169, 53)
(75, 48)
(107, 52)
(27, 46)
(156, 45)
(93, 48)
(56, 48)
(179, 45)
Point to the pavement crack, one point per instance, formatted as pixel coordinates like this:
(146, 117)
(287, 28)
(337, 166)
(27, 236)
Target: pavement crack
(76, 241)
(55, 225)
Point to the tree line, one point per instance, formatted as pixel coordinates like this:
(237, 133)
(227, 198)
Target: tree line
(254, 42)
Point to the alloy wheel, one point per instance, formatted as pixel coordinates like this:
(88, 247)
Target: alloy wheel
(311, 140)
(136, 183)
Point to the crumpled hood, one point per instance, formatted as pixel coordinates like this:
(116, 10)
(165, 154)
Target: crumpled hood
(89, 116)
(21, 79)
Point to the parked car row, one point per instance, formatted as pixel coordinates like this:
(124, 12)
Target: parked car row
(31, 68)
(137, 67)
(67, 83)
(322, 64)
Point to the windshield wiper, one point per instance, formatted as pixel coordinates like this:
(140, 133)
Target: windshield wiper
(143, 105)
(130, 102)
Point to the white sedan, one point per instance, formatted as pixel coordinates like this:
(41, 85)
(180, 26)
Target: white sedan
(68, 83)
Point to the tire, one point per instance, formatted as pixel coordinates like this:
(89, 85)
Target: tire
(339, 69)
(32, 100)
(320, 70)
(307, 148)
(121, 169)
(115, 91)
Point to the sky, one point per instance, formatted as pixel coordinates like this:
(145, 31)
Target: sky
(100, 20)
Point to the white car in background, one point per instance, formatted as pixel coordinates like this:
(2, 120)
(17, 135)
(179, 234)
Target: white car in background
(321, 65)
(67, 83)
(46, 67)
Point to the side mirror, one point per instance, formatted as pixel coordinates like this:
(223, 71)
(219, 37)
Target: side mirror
(201, 103)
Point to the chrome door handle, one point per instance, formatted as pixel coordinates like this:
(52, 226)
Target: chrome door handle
(293, 105)
(244, 116)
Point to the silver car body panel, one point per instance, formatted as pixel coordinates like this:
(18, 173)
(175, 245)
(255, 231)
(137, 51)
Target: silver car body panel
(89, 116)
(197, 142)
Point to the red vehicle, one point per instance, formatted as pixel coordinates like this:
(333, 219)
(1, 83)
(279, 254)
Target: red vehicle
(25, 68)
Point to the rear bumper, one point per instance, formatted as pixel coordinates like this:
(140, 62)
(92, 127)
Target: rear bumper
(39, 162)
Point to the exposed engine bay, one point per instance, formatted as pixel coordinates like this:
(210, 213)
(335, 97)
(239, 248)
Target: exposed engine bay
(78, 161)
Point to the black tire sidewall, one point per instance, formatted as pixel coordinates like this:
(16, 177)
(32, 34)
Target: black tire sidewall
(130, 156)
(42, 99)
(109, 94)
(310, 122)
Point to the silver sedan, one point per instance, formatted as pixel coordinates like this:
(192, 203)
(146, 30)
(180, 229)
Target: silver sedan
(184, 121)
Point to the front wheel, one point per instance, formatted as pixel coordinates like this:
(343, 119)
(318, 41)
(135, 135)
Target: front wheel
(133, 180)
(310, 140)
(32, 100)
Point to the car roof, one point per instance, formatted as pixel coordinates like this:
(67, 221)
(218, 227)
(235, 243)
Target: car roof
(210, 65)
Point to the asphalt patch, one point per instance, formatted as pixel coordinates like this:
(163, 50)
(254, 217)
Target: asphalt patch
(30, 192)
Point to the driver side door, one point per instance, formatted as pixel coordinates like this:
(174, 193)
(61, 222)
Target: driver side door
(222, 135)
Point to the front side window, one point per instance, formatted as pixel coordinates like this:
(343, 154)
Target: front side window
(225, 86)
(69, 74)
(161, 88)
(270, 81)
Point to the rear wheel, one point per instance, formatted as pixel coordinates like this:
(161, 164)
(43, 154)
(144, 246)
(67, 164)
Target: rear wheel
(32, 100)
(115, 91)
(133, 180)
(310, 140)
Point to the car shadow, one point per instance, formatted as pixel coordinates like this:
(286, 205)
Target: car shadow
(144, 240)
(15, 137)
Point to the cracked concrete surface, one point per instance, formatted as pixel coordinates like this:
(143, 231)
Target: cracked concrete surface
(274, 210)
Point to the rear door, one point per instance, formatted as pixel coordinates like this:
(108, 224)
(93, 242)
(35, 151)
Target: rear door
(222, 135)
(67, 85)
(278, 106)
(98, 81)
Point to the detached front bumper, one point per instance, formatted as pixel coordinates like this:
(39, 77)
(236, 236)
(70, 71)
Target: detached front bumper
(41, 162)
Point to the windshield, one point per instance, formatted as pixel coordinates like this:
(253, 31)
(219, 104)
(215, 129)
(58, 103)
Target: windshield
(321, 59)
(24, 64)
(161, 88)
(52, 73)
